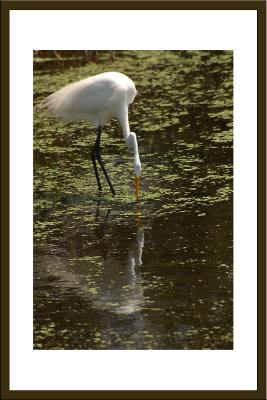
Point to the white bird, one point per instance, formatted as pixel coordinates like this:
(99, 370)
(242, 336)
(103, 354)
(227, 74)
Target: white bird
(98, 99)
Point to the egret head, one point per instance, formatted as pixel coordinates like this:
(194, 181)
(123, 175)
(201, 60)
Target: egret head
(132, 142)
(137, 165)
(133, 147)
(137, 168)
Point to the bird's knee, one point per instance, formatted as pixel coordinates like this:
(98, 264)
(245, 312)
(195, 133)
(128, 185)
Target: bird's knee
(98, 155)
(93, 154)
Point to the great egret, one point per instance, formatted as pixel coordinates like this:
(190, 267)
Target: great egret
(97, 99)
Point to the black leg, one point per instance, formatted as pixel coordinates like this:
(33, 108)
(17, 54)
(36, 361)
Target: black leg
(99, 159)
(96, 154)
(93, 158)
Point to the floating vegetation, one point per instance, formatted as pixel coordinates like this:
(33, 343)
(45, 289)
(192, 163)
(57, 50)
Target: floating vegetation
(109, 274)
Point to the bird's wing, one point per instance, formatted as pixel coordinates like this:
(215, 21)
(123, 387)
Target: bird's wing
(89, 96)
(96, 95)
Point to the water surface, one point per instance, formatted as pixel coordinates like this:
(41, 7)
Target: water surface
(110, 274)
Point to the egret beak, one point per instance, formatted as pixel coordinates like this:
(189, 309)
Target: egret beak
(137, 188)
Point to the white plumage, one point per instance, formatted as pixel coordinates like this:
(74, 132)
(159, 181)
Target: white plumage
(97, 99)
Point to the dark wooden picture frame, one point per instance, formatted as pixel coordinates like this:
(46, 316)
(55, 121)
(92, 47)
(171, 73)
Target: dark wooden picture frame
(260, 7)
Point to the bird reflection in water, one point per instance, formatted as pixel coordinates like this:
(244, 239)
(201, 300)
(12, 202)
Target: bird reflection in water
(120, 285)
(107, 275)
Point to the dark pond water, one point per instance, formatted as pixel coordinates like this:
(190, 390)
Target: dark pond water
(110, 274)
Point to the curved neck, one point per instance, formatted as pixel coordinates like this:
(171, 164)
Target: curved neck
(136, 152)
(124, 122)
(129, 138)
